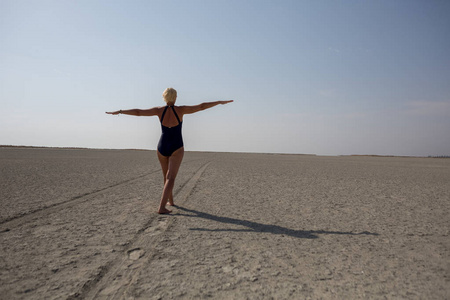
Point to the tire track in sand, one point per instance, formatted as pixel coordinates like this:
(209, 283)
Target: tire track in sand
(114, 278)
(14, 221)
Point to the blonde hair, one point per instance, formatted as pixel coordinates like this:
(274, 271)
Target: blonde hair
(170, 95)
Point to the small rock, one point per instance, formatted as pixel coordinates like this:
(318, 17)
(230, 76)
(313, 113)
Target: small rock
(275, 273)
(227, 269)
(135, 254)
(227, 285)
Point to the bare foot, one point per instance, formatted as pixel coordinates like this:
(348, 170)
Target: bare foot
(164, 211)
(170, 204)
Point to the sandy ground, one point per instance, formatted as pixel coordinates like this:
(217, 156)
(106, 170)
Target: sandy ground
(82, 224)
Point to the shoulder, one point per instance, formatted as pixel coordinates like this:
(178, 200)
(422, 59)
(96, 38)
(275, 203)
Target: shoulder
(188, 109)
(180, 109)
(160, 109)
(157, 110)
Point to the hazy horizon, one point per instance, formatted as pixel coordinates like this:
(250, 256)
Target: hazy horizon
(243, 152)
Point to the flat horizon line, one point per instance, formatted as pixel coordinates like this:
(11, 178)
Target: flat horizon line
(272, 153)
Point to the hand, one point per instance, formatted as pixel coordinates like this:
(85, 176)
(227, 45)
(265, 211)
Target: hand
(113, 112)
(226, 101)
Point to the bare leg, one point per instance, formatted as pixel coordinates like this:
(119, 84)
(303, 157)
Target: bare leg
(174, 162)
(164, 161)
(170, 199)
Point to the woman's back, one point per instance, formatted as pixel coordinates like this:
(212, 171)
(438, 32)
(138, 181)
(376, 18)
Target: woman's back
(170, 116)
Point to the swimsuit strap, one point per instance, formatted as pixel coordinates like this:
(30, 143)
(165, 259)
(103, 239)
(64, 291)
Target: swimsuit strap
(176, 114)
(164, 112)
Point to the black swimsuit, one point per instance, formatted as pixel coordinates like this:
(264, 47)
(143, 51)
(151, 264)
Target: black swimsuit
(171, 139)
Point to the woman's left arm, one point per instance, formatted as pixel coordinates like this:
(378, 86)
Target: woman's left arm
(136, 112)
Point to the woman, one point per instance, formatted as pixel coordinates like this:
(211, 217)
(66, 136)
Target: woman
(170, 146)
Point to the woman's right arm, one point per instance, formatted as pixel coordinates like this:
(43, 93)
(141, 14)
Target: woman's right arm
(190, 109)
(137, 112)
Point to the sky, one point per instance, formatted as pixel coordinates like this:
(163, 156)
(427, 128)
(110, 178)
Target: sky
(307, 77)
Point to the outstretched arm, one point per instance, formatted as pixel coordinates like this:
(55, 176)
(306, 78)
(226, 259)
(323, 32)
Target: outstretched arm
(190, 109)
(136, 112)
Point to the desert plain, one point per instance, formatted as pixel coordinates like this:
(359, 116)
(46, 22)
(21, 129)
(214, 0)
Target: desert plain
(82, 224)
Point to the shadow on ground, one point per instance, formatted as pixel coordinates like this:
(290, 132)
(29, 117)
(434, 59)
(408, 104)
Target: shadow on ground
(258, 227)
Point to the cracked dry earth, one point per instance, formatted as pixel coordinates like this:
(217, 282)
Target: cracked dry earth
(247, 226)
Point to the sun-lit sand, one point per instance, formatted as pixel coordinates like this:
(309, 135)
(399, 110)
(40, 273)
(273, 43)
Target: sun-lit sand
(83, 224)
